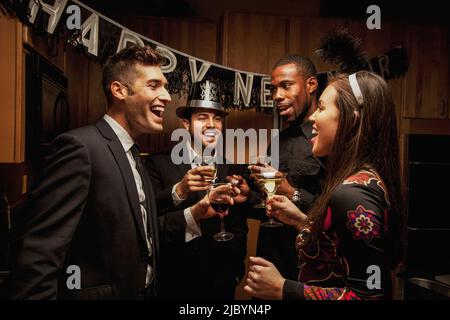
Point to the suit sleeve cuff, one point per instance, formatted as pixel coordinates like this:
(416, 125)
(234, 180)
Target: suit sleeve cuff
(175, 197)
(293, 290)
(192, 229)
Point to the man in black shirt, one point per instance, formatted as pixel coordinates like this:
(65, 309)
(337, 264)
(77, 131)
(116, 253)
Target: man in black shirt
(294, 91)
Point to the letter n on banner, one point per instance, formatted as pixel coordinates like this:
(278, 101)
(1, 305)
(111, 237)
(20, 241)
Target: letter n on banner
(241, 88)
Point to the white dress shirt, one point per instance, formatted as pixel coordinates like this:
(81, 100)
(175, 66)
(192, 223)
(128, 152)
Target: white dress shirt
(192, 229)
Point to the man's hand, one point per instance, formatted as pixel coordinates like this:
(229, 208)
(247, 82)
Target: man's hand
(193, 181)
(202, 209)
(285, 189)
(240, 188)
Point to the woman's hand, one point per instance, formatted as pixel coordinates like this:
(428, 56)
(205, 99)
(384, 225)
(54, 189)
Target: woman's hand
(264, 280)
(281, 208)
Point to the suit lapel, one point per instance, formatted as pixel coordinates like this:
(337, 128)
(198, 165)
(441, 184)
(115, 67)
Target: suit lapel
(127, 175)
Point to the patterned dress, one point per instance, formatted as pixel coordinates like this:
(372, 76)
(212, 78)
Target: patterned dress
(350, 258)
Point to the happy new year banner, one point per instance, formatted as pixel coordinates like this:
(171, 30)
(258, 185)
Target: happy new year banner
(101, 37)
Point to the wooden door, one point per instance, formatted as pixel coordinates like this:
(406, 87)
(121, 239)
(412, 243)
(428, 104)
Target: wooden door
(425, 92)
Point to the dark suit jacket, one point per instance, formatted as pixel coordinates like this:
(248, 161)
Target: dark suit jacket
(201, 268)
(85, 212)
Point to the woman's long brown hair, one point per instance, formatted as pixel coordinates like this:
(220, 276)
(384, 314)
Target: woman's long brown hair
(369, 140)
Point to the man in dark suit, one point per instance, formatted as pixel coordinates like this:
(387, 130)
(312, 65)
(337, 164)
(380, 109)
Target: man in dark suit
(195, 266)
(93, 231)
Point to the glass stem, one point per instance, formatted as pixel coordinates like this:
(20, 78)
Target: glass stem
(222, 225)
(270, 217)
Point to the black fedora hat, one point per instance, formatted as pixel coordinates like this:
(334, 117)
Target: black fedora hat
(203, 95)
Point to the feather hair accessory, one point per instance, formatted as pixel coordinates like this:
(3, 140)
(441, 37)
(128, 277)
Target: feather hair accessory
(341, 48)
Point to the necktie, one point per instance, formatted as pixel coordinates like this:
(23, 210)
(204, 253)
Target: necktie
(140, 168)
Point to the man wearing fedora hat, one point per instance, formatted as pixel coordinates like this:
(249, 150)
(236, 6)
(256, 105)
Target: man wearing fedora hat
(195, 266)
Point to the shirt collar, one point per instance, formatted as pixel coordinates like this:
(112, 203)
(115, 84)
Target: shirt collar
(194, 157)
(192, 154)
(306, 129)
(124, 138)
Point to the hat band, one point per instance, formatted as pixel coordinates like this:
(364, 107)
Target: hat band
(204, 104)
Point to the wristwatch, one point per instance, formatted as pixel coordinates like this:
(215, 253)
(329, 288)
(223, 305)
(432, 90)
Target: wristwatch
(297, 197)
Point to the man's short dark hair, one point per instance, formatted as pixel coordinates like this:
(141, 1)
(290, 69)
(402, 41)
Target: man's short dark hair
(119, 67)
(303, 64)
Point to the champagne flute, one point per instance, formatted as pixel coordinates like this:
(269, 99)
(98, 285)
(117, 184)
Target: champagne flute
(211, 162)
(270, 181)
(260, 161)
(219, 195)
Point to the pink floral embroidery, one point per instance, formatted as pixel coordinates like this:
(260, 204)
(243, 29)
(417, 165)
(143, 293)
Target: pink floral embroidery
(363, 224)
(364, 177)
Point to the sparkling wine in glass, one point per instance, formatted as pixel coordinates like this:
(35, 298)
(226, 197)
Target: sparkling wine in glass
(211, 175)
(262, 162)
(269, 181)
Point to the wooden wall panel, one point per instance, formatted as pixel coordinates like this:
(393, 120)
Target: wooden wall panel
(146, 26)
(252, 42)
(97, 105)
(53, 51)
(305, 34)
(195, 38)
(7, 85)
(427, 81)
(11, 90)
(77, 72)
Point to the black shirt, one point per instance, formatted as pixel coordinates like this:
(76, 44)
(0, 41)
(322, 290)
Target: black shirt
(304, 172)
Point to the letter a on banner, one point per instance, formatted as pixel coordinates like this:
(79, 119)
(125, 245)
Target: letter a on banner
(91, 24)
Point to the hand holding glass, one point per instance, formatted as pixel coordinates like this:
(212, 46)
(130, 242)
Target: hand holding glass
(219, 196)
(210, 175)
(259, 164)
(269, 181)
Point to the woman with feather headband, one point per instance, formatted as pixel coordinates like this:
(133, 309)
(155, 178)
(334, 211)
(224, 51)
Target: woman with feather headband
(350, 240)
